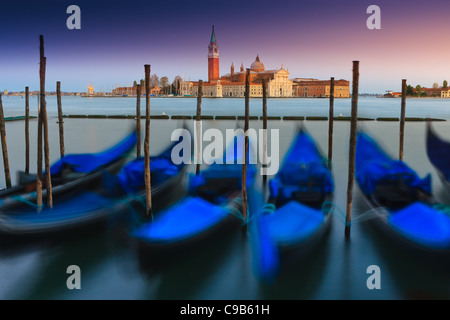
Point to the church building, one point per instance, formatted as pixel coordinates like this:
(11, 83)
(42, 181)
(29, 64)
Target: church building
(232, 84)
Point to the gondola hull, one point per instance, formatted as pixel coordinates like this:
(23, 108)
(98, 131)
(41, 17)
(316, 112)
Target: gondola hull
(212, 208)
(96, 204)
(69, 173)
(295, 219)
(380, 223)
(404, 209)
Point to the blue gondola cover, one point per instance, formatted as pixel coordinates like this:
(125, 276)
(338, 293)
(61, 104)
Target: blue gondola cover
(423, 224)
(374, 165)
(186, 219)
(88, 162)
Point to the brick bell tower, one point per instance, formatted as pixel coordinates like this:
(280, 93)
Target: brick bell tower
(213, 58)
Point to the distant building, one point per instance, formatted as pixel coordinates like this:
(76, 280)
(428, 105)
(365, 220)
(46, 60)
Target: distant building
(186, 88)
(445, 93)
(432, 92)
(131, 91)
(303, 79)
(313, 88)
(232, 84)
(90, 90)
(392, 94)
(155, 91)
(124, 91)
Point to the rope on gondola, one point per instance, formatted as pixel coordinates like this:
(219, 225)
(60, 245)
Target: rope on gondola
(268, 208)
(27, 202)
(445, 208)
(233, 210)
(367, 215)
(129, 200)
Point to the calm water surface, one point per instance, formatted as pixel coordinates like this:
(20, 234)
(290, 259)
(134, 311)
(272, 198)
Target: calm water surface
(336, 269)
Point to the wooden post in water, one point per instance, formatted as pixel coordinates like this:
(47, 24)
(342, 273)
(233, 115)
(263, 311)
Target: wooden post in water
(198, 126)
(264, 111)
(402, 120)
(330, 124)
(60, 119)
(138, 120)
(39, 135)
(27, 130)
(352, 152)
(4, 146)
(148, 188)
(245, 153)
(48, 179)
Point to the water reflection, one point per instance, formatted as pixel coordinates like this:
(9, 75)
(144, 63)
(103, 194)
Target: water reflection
(110, 267)
(300, 274)
(415, 275)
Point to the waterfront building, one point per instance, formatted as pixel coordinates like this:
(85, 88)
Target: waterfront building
(313, 88)
(445, 93)
(125, 91)
(432, 92)
(186, 88)
(232, 84)
(155, 91)
(392, 94)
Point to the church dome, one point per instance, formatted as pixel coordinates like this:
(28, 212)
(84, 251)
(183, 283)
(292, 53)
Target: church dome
(257, 65)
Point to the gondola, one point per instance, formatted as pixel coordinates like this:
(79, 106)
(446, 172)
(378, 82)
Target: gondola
(296, 215)
(213, 204)
(438, 152)
(404, 207)
(70, 172)
(95, 203)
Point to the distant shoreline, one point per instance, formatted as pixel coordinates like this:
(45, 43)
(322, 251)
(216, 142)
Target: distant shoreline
(409, 97)
(194, 97)
(226, 97)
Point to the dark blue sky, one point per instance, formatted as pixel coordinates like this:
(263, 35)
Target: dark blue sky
(312, 38)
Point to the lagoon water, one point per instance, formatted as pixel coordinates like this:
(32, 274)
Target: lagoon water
(336, 269)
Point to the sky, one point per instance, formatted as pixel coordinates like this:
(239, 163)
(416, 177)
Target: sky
(311, 38)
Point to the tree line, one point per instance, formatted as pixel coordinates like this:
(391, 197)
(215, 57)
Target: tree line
(417, 90)
(163, 83)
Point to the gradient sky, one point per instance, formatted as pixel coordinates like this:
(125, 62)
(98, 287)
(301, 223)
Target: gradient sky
(313, 39)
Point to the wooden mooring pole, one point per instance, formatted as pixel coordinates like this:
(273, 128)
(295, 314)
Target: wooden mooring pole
(330, 124)
(27, 130)
(48, 179)
(60, 119)
(4, 146)
(148, 188)
(264, 111)
(138, 120)
(245, 153)
(402, 120)
(198, 126)
(39, 135)
(352, 152)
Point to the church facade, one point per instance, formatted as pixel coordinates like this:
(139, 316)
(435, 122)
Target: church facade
(232, 84)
